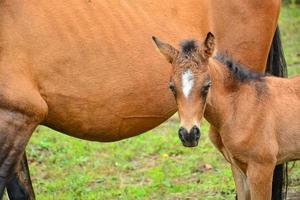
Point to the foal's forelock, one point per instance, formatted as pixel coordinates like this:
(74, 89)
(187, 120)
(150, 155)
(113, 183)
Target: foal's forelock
(187, 82)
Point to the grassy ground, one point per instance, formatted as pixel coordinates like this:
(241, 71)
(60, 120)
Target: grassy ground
(150, 166)
(290, 31)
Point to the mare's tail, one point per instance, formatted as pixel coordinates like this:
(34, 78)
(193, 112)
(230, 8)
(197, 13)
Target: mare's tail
(276, 66)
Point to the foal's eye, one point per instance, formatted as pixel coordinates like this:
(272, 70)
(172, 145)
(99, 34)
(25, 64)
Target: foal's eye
(172, 88)
(205, 88)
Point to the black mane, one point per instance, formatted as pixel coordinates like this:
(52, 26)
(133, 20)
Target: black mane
(188, 46)
(239, 71)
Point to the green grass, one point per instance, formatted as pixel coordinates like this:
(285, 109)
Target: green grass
(153, 165)
(290, 31)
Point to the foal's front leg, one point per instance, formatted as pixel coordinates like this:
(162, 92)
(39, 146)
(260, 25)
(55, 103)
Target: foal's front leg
(239, 179)
(260, 177)
(240, 184)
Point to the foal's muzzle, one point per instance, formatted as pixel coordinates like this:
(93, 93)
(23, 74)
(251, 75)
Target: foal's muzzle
(189, 139)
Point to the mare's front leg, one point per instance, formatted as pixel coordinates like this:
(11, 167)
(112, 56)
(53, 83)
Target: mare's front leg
(260, 177)
(20, 112)
(20, 187)
(2, 187)
(15, 130)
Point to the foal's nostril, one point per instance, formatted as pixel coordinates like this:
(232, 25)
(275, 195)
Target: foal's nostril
(195, 132)
(182, 132)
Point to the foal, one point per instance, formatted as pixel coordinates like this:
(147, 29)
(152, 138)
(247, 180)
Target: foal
(254, 119)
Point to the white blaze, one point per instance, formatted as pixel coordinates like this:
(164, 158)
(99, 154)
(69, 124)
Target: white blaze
(187, 82)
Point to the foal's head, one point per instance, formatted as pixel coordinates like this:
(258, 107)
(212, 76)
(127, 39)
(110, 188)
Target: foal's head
(190, 82)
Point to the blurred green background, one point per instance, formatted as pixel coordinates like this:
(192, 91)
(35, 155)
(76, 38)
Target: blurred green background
(153, 165)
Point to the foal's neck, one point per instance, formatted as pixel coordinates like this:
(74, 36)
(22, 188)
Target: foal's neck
(224, 89)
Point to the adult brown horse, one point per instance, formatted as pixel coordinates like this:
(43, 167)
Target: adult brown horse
(83, 67)
(244, 109)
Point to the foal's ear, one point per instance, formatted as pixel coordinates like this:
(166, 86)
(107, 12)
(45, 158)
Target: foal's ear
(209, 45)
(165, 49)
